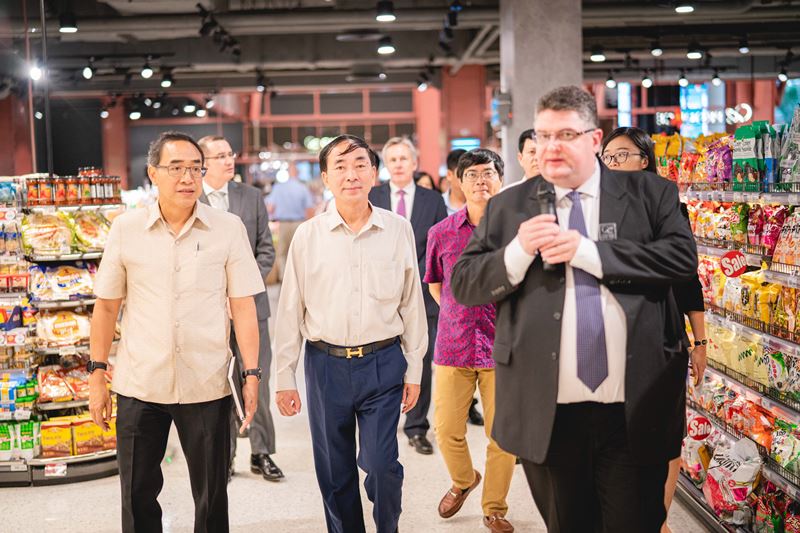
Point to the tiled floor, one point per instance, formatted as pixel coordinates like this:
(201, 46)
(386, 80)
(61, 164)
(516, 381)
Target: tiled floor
(293, 505)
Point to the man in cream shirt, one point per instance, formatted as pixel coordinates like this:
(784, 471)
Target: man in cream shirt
(352, 291)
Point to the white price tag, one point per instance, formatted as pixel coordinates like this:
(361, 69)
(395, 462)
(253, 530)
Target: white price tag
(18, 467)
(22, 414)
(55, 470)
(738, 197)
(49, 209)
(67, 350)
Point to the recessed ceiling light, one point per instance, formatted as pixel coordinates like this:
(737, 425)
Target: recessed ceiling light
(684, 9)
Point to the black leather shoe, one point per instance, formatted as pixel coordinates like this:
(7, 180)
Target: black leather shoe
(262, 464)
(421, 444)
(475, 416)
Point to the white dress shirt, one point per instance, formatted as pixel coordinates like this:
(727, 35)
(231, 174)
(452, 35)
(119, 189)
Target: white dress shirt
(410, 189)
(351, 289)
(570, 388)
(214, 199)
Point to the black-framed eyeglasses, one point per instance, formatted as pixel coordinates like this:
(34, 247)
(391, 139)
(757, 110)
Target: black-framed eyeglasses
(179, 171)
(231, 155)
(472, 176)
(620, 157)
(542, 138)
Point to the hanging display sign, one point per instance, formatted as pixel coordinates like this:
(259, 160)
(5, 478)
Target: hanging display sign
(733, 264)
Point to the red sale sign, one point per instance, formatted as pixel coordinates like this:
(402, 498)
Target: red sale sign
(699, 428)
(733, 264)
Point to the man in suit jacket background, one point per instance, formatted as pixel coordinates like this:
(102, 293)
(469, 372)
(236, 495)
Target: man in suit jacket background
(591, 361)
(245, 201)
(424, 209)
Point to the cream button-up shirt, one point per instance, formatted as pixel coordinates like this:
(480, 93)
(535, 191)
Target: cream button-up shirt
(175, 327)
(351, 289)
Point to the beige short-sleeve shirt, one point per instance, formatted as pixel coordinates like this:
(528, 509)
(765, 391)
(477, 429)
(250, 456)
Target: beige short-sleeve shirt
(175, 327)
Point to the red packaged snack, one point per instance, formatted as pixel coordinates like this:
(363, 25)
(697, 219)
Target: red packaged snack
(78, 380)
(52, 386)
(774, 218)
(791, 521)
(755, 225)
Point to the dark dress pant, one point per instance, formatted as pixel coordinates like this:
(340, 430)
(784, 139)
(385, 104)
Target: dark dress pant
(417, 419)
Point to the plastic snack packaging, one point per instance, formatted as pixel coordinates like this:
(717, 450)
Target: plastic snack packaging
(791, 520)
(739, 221)
(52, 386)
(785, 447)
(785, 313)
(695, 454)
(46, 234)
(775, 216)
(732, 475)
(91, 230)
(57, 438)
(746, 175)
(62, 328)
(755, 225)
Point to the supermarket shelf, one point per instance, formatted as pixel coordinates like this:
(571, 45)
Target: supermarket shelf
(54, 406)
(753, 260)
(783, 198)
(72, 208)
(696, 504)
(14, 474)
(64, 257)
(754, 327)
(770, 396)
(63, 350)
(73, 459)
(64, 304)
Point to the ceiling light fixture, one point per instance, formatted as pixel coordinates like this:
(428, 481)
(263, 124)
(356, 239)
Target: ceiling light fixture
(67, 22)
(694, 51)
(656, 50)
(597, 55)
(135, 114)
(684, 9)
(783, 76)
(261, 85)
(88, 71)
(716, 80)
(38, 115)
(385, 46)
(104, 113)
(201, 113)
(385, 11)
(744, 46)
(148, 101)
(210, 103)
(157, 104)
(647, 81)
(147, 70)
(189, 107)
(167, 80)
(683, 81)
(35, 72)
(611, 83)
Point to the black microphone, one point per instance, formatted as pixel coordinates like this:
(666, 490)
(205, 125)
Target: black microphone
(546, 196)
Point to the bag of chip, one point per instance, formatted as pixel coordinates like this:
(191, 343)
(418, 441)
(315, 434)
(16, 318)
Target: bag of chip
(732, 475)
(739, 220)
(755, 225)
(774, 217)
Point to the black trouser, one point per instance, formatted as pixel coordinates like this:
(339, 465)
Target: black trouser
(590, 482)
(142, 432)
(417, 419)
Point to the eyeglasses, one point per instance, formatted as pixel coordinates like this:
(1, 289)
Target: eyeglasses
(487, 175)
(231, 155)
(542, 138)
(179, 171)
(619, 158)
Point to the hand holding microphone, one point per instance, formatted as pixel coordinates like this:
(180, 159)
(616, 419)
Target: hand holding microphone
(539, 231)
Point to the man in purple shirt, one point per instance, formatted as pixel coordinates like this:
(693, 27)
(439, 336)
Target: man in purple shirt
(463, 353)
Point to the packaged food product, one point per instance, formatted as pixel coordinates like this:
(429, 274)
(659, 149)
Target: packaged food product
(110, 435)
(57, 438)
(785, 313)
(46, 234)
(78, 381)
(765, 301)
(750, 282)
(790, 152)
(746, 176)
(775, 216)
(732, 475)
(739, 220)
(86, 436)
(788, 248)
(695, 454)
(62, 282)
(791, 520)
(62, 328)
(6, 441)
(785, 447)
(780, 371)
(91, 230)
(52, 386)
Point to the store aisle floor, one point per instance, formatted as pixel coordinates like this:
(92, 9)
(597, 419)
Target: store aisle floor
(293, 505)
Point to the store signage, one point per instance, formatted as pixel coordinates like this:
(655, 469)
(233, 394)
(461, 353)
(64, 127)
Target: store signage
(738, 115)
(699, 428)
(733, 264)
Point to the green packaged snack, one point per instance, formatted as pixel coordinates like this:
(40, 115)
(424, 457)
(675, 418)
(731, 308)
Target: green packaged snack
(6, 441)
(790, 153)
(746, 174)
(739, 218)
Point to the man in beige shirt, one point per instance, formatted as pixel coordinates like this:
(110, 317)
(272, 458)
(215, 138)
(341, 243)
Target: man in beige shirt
(175, 263)
(352, 290)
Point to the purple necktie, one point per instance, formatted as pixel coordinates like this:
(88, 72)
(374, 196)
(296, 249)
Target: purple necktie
(591, 333)
(401, 203)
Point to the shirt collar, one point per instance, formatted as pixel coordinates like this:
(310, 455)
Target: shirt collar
(201, 213)
(461, 218)
(208, 189)
(409, 189)
(590, 187)
(334, 219)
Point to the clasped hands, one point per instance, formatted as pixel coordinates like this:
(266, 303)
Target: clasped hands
(543, 234)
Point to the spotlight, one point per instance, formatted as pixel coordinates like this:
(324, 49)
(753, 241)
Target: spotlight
(157, 104)
(684, 9)
(210, 103)
(261, 85)
(166, 80)
(597, 55)
(201, 113)
(148, 101)
(611, 83)
(385, 11)
(104, 113)
(385, 46)
(382, 75)
(174, 111)
(656, 50)
(36, 72)
(716, 80)
(147, 71)
(189, 108)
(694, 52)
(38, 115)
(135, 114)
(67, 22)
(783, 76)
(647, 81)
(682, 81)
(88, 71)
(744, 46)
(452, 19)
(422, 86)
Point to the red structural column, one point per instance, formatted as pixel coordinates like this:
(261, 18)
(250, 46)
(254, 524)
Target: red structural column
(430, 141)
(15, 134)
(115, 143)
(464, 102)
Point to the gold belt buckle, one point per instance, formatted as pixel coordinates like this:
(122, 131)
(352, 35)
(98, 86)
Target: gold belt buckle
(357, 352)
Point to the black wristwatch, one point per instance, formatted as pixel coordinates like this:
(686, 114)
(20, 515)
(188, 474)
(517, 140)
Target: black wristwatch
(91, 366)
(252, 372)
(702, 342)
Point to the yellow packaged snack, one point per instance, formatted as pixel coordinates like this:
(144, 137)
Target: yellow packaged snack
(56, 438)
(766, 298)
(87, 436)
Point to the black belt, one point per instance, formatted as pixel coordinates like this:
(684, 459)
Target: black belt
(354, 351)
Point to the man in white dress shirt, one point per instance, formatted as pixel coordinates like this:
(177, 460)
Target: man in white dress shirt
(352, 291)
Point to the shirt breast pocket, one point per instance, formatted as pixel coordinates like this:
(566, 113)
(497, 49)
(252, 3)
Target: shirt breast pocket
(385, 280)
(208, 273)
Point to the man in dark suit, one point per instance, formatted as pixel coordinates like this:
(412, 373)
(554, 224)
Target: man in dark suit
(246, 202)
(591, 360)
(424, 209)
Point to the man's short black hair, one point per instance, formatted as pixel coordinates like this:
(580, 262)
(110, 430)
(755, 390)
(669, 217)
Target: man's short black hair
(156, 147)
(452, 158)
(479, 156)
(524, 136)
(355, 144)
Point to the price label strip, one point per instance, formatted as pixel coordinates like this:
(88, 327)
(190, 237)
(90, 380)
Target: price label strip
(55, 470)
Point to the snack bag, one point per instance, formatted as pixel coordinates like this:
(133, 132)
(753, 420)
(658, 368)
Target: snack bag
(790, 153)
(62, 328)
(786, 309)
(791, 520)
(86, 436)
(775, 216)
(91, 230)
(695, 454)
(52, 386)
(758, 424)
(739, 221)
(46, 234)
(732, 475)
(765, 301)
(746, 176)
(56, 438)
(785, 447)
(751, 282)
(732, 295)
(781, 373)
(755, 225)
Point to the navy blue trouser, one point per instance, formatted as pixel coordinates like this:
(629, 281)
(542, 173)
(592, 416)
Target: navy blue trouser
(343, 393)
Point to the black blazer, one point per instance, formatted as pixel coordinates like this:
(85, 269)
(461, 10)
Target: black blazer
(428, 210)
(246, 202)
(654, 248)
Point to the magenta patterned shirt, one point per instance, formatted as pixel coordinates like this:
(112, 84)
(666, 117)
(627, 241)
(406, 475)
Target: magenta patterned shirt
(466, 334)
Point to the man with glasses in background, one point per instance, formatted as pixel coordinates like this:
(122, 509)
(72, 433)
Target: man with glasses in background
(591, 358)
(175, 263)
(244, 201)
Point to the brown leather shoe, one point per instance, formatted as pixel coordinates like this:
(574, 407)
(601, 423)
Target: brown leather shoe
(497, 523)
(453, 501)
